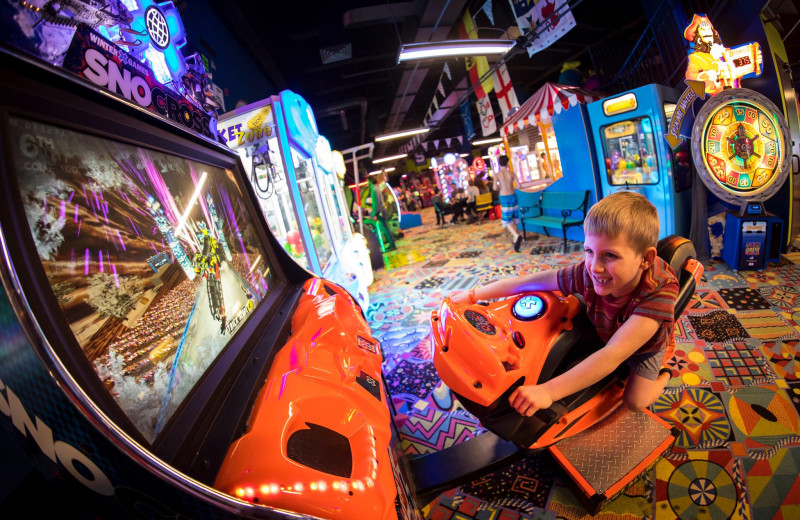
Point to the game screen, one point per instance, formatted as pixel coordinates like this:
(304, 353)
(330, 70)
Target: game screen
(630, 152)
(153, 258)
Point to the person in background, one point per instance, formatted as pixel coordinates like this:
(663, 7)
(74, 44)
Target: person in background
(443, 207)
(460, 201)
(509, 211)
(630, 296)
(472, 192)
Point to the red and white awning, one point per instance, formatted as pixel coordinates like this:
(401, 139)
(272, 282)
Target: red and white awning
(551, 99)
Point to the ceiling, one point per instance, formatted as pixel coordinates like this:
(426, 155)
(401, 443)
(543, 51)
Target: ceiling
(305, 47)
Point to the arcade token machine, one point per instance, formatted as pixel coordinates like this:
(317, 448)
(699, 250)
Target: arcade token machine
(278, 141)
(741, 148)
(632, 155)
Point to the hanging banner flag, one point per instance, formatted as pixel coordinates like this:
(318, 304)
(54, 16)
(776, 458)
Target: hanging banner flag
(477, 66)
(448, 140)
(446, 70)
(487, 9)
(506, 96)
(440, 88)
(550, 19)
(488, 122)
(466, 119)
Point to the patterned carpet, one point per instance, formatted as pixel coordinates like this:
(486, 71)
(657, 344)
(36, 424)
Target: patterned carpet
(734, 396)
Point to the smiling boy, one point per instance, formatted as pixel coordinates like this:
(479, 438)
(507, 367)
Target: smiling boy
(630, 298)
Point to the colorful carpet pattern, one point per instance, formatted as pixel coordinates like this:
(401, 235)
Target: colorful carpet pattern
(734, 396)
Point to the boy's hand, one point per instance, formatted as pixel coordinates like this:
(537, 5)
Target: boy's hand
(460, 297)
(530, 398)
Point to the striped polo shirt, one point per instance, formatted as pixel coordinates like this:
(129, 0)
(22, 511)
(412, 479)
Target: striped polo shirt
(653, 298)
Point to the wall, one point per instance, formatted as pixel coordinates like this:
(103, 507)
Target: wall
(235, 72)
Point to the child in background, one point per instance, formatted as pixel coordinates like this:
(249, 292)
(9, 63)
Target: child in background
(509, 211)
(630, 298)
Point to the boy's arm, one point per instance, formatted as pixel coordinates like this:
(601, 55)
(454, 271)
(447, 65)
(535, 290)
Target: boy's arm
(625, 342)
(538, 281)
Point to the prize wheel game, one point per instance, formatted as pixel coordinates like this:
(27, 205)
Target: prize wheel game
(739, 144)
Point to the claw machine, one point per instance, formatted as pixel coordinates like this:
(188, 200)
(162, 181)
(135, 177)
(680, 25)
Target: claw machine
(352, 268)
(278, 141)
(632, 154)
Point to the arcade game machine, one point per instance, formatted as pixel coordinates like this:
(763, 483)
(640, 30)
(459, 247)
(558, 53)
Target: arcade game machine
(741, 148)
(353, 184)
(631, 154)
(391, 202)
(451, 169)
(162, 355)
(255, 134)
(534, 138)
(277, 136)
(550, 121)
(352, 270)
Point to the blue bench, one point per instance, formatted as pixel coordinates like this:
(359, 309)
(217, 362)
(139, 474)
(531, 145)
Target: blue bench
(571, 204)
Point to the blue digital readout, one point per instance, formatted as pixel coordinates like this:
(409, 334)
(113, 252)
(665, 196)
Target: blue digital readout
(528, 308)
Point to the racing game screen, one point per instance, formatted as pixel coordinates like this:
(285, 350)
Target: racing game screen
(153, 258)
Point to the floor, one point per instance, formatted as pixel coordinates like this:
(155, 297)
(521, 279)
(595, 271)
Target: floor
(734, 397)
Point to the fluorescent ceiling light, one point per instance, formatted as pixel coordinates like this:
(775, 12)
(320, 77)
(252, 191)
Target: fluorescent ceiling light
(488, 141)
(421, 51)
(390, 158)
(402, 133)
(384, 170)
(463, 155)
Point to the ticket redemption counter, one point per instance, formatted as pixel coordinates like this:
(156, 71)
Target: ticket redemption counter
(632, 154)
(223, 381)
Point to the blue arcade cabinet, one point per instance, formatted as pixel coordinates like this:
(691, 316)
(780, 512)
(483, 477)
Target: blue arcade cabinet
(632, 154)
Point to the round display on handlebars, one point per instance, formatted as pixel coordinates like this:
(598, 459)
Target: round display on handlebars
(528, 308)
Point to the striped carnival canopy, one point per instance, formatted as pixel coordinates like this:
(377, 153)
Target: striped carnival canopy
(551, 99)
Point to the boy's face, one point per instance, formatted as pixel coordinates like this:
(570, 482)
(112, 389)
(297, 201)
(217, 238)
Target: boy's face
(614, 266)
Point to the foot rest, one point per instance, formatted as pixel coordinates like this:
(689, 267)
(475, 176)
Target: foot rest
(603, 460)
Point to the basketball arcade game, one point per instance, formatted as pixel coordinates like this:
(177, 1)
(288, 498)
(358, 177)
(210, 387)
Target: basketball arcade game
(127, 373)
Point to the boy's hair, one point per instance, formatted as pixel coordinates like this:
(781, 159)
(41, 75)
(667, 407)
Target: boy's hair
(503, 160)
(625, 212)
